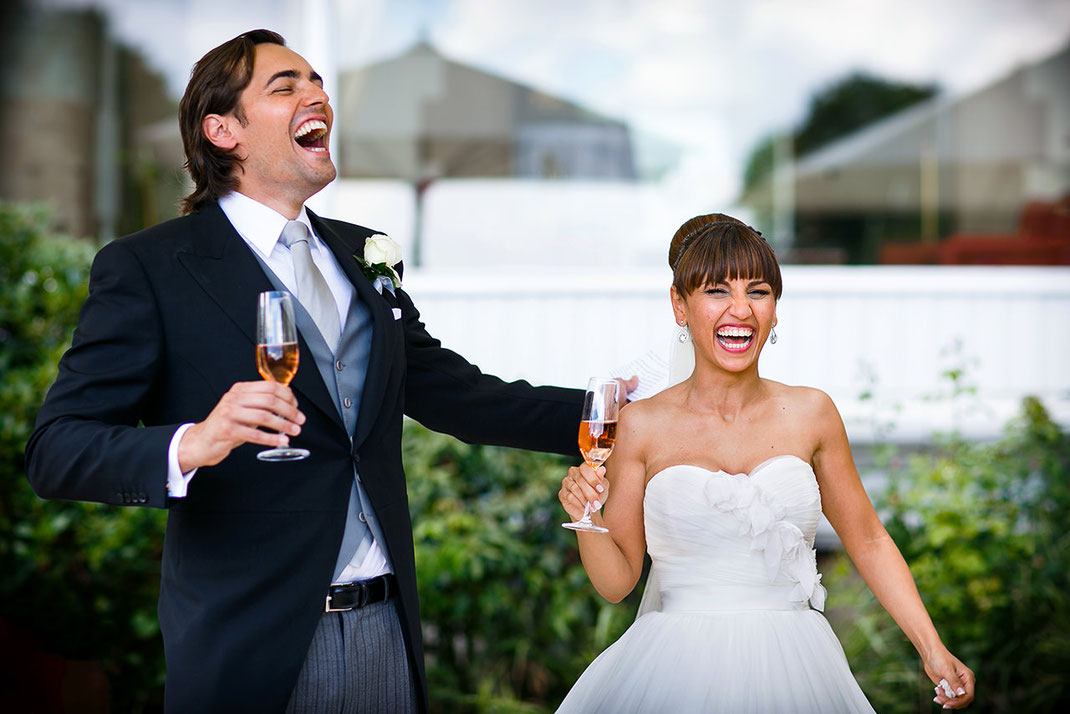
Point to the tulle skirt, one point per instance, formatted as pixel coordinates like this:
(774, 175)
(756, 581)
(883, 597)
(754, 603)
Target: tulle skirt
(758, 662)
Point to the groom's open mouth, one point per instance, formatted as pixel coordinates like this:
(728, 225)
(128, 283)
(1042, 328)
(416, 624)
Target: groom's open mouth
(735, 338)
(312, 135)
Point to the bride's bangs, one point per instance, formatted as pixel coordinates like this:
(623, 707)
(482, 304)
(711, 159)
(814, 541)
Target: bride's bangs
(727, 253)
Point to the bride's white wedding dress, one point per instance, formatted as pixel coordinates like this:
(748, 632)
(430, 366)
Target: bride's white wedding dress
(734, 562)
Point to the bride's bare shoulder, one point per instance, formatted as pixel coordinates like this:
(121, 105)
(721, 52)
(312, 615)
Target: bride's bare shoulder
(642, 420)
(635, 415)
(659, 406)
(804, 402)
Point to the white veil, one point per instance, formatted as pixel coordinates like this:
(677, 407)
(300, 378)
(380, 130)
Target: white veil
(681, 365)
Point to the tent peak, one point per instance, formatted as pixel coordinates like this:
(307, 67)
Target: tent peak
(423, 45)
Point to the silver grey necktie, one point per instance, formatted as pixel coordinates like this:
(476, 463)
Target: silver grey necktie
(312, 290)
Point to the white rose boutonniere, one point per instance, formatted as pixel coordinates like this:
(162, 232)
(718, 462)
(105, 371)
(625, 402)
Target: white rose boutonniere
(381, 254)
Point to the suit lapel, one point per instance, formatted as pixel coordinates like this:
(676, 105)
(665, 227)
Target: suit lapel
(224, 266)
(379, 362)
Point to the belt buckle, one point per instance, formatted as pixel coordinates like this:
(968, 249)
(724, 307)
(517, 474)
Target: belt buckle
(327, 605)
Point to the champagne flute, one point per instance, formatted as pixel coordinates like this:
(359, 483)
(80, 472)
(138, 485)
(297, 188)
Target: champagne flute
(598, 432)
(277, 355)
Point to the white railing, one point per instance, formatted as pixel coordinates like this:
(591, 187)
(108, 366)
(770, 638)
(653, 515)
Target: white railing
(888, 331)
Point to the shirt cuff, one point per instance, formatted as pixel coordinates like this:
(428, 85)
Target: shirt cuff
(177, 482)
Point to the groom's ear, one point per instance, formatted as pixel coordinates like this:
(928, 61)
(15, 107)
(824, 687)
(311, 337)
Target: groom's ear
(219, 130)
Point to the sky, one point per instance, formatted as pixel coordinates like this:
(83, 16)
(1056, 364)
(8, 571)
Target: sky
(710, 77)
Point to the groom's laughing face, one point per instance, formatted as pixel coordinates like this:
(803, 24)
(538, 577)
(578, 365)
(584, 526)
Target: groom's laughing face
(284, 124)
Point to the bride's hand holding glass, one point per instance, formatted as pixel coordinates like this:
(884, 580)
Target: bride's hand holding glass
(597, 435)
(583, 491)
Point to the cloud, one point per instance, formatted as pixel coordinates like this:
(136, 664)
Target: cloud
(713, 76)
(717, 75)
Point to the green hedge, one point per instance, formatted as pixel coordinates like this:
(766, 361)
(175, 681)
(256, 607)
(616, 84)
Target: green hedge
(510, 619)
(986, 531)
(80, 578)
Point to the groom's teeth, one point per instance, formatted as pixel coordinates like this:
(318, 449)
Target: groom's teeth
(311, 135)
(308, 126)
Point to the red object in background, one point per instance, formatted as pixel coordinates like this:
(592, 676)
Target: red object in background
(33, 681)
(920, 253)
(1042, 238)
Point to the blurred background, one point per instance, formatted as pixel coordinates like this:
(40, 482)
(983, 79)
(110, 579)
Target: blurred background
(909, 162)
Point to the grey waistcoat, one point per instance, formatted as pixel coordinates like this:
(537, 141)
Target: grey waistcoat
(344, 374)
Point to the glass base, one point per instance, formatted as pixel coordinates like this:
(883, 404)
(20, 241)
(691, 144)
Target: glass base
(287, 453)
(585, 525)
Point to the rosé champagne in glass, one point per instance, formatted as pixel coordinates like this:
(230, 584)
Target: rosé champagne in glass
(598, 432)
(277, 356)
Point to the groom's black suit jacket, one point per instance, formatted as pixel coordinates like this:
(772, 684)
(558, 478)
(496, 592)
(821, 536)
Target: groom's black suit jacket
(168, 327)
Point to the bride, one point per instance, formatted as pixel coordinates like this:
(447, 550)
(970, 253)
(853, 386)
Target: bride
(723, 478)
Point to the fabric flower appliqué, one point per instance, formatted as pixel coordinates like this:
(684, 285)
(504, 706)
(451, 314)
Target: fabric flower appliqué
(782, 543)
(381, 254)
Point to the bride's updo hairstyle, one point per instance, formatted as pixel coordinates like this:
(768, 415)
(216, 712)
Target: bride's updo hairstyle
(715, 247)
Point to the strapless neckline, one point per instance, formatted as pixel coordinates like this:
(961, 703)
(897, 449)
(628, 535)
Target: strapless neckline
(773, 509)
(749, 474)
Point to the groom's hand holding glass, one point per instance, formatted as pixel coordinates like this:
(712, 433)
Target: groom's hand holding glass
(237, 419)
(249, 408)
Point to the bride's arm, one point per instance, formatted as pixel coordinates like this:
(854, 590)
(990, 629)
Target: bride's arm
(874, 553)
(614, 560)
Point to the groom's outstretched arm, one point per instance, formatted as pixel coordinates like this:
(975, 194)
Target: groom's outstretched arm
(447, 393)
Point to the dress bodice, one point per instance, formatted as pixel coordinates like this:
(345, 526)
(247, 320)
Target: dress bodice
(723, 541)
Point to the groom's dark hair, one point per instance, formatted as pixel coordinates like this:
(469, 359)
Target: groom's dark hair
(215, 87)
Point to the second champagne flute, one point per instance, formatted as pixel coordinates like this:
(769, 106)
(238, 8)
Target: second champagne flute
(598, 433)
(277, 355)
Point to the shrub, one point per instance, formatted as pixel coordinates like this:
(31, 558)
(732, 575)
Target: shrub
(81, 578)
(985, 529)
(510, 619)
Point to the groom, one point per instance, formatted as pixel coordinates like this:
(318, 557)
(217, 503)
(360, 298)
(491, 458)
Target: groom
(285, 586)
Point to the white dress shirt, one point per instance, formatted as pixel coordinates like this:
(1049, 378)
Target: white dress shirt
(260, 227)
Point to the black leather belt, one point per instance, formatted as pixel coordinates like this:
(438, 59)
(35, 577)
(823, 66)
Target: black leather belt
(352, 596)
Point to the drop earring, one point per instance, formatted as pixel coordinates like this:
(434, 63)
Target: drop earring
(772, 334)
(683, 334)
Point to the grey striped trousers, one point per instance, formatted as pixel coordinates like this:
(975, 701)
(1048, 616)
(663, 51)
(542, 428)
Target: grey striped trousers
(356, 664)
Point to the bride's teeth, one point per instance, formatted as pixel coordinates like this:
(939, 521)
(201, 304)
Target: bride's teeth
(735, 338)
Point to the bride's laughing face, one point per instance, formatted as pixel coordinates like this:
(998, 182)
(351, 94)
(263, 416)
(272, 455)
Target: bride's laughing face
(729, 319)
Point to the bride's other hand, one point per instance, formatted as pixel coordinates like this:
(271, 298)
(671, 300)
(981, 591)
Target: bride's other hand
(951, 677)
(583, 485)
